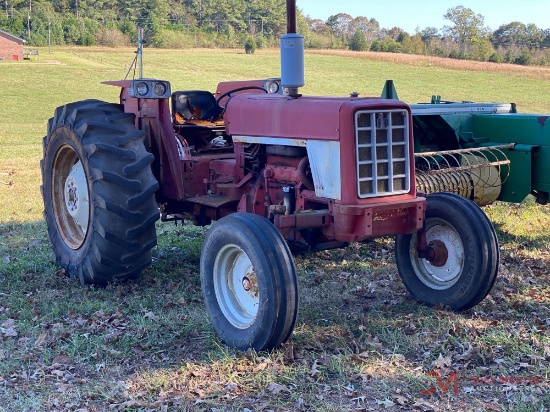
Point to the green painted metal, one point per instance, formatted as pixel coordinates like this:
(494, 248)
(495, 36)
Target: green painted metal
(389, 91)
(528, 131)
(518, 184)
(514, 128)
(470, 125)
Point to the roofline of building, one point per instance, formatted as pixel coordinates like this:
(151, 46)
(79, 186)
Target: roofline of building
(12, 37)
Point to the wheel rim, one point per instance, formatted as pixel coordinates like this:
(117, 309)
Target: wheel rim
(447, 271)
(236, 286)
(72, 209)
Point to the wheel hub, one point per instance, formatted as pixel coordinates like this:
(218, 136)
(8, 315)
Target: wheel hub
(76, 196)
(444, 270)
(236, 286)
(441, 254)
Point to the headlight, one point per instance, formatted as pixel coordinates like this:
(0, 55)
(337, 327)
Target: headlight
(159, 89)
(149, 89)
(272, 87)
(142, 88)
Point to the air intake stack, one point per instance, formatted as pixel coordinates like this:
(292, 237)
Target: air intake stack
(292, 54)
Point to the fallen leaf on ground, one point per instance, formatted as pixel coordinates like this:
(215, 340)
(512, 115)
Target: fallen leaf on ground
(41, 340)
(386, 403)
(152, 316)
(401, 400)
(63, 359)
(8, 328)
(441, 362)
(276, 388)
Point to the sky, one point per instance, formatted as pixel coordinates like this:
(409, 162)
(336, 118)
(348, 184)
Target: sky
(410, 14)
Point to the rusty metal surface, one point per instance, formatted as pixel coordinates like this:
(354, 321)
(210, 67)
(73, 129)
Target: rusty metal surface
(441, 254)
(355, 223)
(211, 200)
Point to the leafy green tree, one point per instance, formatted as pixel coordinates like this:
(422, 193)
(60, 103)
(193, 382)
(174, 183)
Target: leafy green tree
(467, 26)
(318, 26)
(358, 41)
(340, 25)
(534, 36)
(413, 44)
(61, 6)
(495, 58)
(369, 27)
(481, 49)
(267, 17)
(396, 33)
(524, 58)
(519, 35)
(429, 34)
(511, 34)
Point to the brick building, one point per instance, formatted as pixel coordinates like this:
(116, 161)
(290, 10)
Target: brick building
(11, 47)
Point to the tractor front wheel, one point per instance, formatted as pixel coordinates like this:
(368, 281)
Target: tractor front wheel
(249, 282)
(99, 192)
(465, 254)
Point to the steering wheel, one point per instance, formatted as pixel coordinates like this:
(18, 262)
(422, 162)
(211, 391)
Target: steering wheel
(238, 89)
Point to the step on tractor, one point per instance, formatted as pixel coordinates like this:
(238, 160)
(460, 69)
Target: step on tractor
(269, 171)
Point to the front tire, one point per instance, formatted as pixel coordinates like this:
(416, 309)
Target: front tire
(467, 255)
(99, 192)
(249, 282)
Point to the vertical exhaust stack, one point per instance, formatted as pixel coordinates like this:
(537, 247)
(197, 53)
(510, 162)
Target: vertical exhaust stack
(292, 54)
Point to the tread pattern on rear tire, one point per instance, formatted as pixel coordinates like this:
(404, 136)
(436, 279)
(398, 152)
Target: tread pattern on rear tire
(121, 185)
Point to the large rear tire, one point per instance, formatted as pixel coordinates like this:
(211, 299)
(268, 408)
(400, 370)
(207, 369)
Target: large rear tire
(467, 255)
(249, 282)
(99, 192)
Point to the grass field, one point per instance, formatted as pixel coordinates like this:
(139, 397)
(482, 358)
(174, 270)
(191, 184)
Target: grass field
(361, 343)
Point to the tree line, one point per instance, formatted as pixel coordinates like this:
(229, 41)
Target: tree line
(235, 23)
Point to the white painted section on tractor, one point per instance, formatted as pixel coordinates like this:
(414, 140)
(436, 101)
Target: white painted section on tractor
(277, 141)
(459, 108)
(324, 160)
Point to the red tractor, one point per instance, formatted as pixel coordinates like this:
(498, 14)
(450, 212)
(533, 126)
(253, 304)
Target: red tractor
(270, 170)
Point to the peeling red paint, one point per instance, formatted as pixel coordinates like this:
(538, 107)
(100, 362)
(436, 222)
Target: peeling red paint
(542, 120)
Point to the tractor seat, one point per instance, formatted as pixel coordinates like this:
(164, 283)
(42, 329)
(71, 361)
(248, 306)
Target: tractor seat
(195, 104)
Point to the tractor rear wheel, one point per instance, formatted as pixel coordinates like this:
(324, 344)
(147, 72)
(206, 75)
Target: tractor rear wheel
(249, 282)
(99, 192)
(466, 254)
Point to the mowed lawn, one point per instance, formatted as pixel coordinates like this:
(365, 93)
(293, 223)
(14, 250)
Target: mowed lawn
(361, 343)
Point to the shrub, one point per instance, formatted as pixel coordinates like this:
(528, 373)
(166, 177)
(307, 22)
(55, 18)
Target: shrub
(524, 58)
(457, 54)
(87, 40)
(495, 58)
(260, 42)
(250, 46)
(112, 38)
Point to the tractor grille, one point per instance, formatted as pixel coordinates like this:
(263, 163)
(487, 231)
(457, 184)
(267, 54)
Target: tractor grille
(382, 144)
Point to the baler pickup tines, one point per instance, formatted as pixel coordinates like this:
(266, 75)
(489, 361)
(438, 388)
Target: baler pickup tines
(475, 173)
